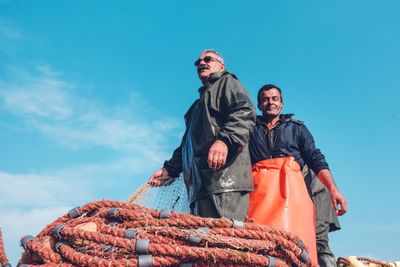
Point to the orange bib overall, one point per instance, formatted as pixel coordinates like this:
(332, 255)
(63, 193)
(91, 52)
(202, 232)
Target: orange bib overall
(280, 200)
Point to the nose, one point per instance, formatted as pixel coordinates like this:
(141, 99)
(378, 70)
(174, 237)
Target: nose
(270, 102)
(202, 64)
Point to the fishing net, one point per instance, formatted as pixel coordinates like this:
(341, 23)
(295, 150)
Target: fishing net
(169, 196)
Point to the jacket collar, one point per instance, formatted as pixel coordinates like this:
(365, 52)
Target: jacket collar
(282, 118)
(213, 78)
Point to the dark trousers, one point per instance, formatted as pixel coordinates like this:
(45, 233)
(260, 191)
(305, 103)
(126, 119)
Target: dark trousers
(232, 205)
(325, 255)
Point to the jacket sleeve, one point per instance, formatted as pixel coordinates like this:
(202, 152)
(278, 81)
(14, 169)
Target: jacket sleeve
(241, 115)
(174, 165)
(311, 155)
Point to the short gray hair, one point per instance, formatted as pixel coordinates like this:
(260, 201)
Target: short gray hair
(219, 55)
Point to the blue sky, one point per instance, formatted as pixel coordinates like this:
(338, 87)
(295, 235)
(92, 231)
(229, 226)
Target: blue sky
(92, 95)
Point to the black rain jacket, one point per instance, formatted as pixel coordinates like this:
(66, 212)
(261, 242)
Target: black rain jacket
(223, 111)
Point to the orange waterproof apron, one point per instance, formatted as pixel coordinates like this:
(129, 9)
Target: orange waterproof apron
(280, 200)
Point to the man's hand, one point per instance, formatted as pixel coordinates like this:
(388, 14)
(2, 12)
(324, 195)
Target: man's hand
(159, 177)
(338, 201)
(217, 155)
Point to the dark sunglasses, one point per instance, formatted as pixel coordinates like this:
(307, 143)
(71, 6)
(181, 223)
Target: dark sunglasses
(206, 59)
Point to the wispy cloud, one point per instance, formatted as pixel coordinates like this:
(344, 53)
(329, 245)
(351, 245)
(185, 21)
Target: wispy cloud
(51, 106)
(40, 100)
(36, 190)
(41, 94)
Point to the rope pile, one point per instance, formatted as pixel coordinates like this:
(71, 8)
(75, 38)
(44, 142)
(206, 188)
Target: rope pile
(361, 261)
(3, 256)
(112, 233)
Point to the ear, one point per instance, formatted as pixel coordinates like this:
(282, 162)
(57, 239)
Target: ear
(259, 107)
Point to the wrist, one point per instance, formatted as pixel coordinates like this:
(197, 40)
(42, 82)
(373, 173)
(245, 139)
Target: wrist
(170, 170)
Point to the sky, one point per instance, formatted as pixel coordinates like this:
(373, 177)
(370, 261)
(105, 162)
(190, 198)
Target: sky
(93, 93)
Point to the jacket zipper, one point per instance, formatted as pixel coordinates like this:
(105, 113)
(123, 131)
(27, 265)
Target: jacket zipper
(272, 146)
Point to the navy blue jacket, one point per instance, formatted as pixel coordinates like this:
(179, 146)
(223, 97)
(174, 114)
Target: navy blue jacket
(292, 138)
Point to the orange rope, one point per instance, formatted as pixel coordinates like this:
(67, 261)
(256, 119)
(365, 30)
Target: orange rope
(343, 262)
(112, 233)
(3, 256)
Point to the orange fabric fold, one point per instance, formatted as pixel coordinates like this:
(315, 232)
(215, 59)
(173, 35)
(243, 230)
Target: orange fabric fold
(280, 200)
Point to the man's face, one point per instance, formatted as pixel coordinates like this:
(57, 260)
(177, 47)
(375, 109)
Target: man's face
(208, 63)
(271, 102)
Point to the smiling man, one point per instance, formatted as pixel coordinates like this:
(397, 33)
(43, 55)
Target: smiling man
(213, 154)
(280, 146)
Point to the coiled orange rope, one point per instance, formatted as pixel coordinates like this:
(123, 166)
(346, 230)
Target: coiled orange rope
(3, 256)
(362, 261)
(112, 233)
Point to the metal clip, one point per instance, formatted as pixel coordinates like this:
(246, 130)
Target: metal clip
(112, 213)
(165, 214)
(57, 230)
(130, 233)
(25, 240)
(74, 213)
(237, 224)
(142, 246)
(145, 261)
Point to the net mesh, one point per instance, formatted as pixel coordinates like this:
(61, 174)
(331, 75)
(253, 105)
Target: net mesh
(171, 196)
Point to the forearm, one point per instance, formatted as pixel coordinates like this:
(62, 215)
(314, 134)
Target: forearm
(325, 176)
(338, 201)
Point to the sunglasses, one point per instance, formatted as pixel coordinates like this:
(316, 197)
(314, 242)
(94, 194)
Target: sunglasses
(207, 59)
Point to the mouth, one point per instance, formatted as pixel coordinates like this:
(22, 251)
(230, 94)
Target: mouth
(271, 108)
(202, 68)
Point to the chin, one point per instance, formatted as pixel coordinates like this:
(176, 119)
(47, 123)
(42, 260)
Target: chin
(204, 76)
(271, 114)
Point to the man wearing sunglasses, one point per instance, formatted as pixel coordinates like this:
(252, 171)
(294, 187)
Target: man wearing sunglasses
(213, 155)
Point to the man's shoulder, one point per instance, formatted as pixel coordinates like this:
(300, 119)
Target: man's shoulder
(230, 75)
(217, 76)
(230, 83)
(222, 80)
(225, 75)
(289, 119)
